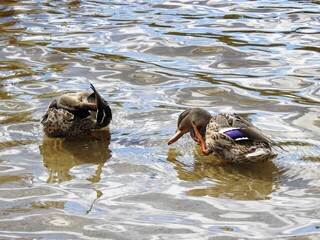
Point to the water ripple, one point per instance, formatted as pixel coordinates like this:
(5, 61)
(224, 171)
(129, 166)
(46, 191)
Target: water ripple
(151, 60)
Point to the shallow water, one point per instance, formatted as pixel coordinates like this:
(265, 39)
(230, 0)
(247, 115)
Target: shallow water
(151, 60)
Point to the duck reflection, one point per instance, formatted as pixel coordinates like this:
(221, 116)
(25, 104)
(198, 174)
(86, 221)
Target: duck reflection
(61, 155)
(234, 181)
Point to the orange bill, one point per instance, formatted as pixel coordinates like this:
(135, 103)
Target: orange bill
(178, 135)
(201, 140)
(88, 106)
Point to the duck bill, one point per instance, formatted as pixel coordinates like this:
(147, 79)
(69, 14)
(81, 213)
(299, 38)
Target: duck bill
(178, 135)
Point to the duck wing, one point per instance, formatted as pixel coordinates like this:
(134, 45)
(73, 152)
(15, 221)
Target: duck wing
(255, 134)
(240, 128)
(104, 114)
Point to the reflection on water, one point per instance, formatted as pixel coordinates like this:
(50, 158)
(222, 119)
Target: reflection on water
(234, 181)
(150, 60)
(61, 155)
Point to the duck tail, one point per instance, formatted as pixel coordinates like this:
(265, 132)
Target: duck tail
(104, 114)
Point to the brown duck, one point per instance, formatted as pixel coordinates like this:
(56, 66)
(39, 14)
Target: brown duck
(76, 113)
(230, 137)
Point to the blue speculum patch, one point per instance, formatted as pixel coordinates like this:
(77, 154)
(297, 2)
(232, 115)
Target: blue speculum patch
(235, 133)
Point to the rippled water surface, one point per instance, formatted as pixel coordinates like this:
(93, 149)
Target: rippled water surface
(151, 60)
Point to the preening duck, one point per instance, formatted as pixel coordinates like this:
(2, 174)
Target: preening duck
(76, 113)
(230, 137)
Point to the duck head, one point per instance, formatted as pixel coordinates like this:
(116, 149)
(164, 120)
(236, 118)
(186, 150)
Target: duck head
(198, 116)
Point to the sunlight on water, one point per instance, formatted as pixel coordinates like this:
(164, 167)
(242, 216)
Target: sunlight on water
(151, 60)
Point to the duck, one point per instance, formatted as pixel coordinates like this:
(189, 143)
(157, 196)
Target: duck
(230, 137)
(73, 114)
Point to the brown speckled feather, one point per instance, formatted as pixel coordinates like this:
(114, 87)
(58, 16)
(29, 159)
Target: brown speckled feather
(70, 115)
(229, 137)
(256, 148)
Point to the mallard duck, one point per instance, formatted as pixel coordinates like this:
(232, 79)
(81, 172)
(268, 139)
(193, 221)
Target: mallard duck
(230, 137)
(76, 113)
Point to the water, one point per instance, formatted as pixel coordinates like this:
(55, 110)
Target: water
(151, 60)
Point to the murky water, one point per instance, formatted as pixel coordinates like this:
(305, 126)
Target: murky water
(151, 60)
